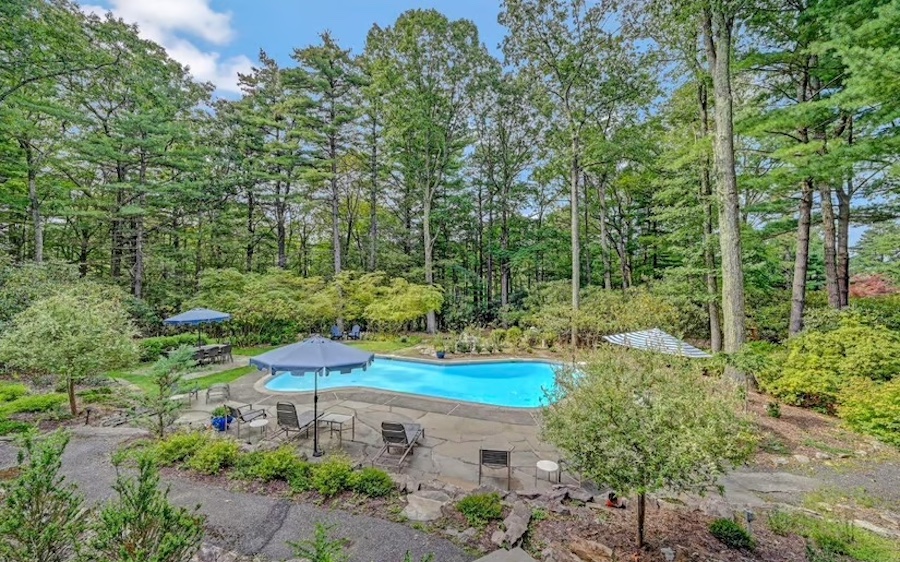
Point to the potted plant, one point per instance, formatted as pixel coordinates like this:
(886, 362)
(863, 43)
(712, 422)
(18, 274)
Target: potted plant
(439, 349)
(220, 418)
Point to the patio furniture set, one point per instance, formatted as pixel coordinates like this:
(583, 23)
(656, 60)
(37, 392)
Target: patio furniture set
(213, 353)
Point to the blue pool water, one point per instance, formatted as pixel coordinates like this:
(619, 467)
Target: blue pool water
(510, 384)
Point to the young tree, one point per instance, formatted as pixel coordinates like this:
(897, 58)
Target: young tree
(167, 373)
(42, 518)
(142, 526)
(74, 333)
(642, 422)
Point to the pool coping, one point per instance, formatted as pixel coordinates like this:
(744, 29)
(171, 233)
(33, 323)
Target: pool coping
(461, 408)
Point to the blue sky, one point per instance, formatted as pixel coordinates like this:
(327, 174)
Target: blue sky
(219, 38)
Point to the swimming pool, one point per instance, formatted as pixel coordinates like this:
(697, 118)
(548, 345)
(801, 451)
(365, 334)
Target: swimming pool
(518, 384)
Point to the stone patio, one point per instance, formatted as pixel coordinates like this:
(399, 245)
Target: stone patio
(454, 432)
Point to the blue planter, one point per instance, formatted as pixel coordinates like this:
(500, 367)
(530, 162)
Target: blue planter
(221, 423)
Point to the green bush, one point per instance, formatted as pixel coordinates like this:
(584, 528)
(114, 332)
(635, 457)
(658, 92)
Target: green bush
(8, 427)
(12, 391)
(214, 456)
(372, 482)
(481, 509)
(280, 464)
(819, 364)
(514, 336)
(179, 447)
(872, 408)
(332, 476)
(833, 540)
(152, 348)
(731, 534)
(32, 404)
(773, 409)
(498, 336)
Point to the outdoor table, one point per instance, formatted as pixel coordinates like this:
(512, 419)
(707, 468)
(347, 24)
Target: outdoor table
(336, 424)
(546, 466)
(262, 424)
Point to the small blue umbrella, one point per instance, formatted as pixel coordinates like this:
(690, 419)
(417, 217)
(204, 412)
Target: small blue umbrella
(318, 356)
(196, 317)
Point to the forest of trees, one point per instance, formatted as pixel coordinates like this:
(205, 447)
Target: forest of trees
(715, 154)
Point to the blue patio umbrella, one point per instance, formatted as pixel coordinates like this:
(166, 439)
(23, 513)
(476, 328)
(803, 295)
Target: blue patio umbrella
(196, 317)
(318, 356)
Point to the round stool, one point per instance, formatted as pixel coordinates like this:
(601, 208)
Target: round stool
(546, 466)
(260, 423)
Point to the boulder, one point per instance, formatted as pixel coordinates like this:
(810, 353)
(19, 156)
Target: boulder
(802, 459)
(426, 505)
(469, 533)
(668, 554)
(516, 523)
(529, 494)
(823, 456)
(591, 551)
(497, 538)
(401, 483)
(558, 494)
(581, 495)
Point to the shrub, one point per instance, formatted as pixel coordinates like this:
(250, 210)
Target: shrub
(332, 476)
(152, 348)
(32, 404)
(179, 447)
(372, 482)
(820, 363)
(873, 408)
(481, 509)
(8, 427)
(731, 534)
(514, 336)
(773, 409)
(321, 547)
(11, 391)
(498, 336)
(214, 456)
(280, 464)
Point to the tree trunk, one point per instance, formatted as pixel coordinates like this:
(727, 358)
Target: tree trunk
(430, 318)
(70, 388)
(828, 232)
(604, 235)
(574, 173)
(801, 260)
(709, 253)
(504, 247)
(251, 229)
(116, 250)
(718, 27)
(641, 512)
(843, 243)
(138, 279)
(335, 201)
(587, 233)
(34, 202)
(373, 201)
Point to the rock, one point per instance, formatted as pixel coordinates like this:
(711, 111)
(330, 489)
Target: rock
(516, 523)
(497, 538)
(487, 489)
(529, 494)
(890, 517)
(780, 461)
(581, 495)
(558, 507)
(715, 506)
(862, 524)
(210, 553)
(843, 455)
(558, 494)
(469, 533)
(425, 505)
(553, 554)
(861, 453)
(511, 498)
(802, 459)
(823, 456)
(591, 551)
(668, 554)
(401, 482)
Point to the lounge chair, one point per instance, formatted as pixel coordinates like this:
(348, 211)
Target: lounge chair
(219, 390)
(289, 421)
(245, 414)
(336, 333)
(399, 436)
(492, 458)
(354, 332)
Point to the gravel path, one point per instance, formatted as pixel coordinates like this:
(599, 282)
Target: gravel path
(248, 523)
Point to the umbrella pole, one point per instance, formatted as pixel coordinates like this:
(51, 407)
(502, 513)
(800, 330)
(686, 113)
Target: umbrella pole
(316, 451)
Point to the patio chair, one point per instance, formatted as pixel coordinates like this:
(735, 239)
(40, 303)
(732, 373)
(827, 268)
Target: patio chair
(225, 353)
(245, 414)
(354, 332)
(492, 458)
(289, 421)
(336, 333)
(399, 436)
(218, 391)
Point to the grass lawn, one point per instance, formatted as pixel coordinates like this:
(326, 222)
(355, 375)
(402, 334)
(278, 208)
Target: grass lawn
(252, 351)
(389, 346)
(143, 380)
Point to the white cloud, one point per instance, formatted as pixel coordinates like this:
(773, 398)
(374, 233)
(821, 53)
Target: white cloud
(168, 22)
